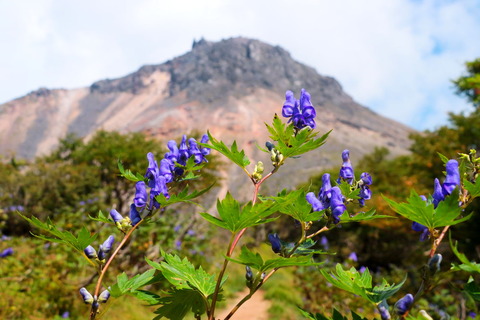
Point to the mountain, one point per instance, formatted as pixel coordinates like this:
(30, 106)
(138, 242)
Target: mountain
(231, 87)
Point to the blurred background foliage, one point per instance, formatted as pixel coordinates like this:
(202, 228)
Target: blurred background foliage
(41, 280)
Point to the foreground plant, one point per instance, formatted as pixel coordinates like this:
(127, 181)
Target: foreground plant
(197, 291)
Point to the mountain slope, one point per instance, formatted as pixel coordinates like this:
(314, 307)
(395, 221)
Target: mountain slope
(229, 87)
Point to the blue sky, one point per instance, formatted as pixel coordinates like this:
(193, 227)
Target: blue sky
(396, 57)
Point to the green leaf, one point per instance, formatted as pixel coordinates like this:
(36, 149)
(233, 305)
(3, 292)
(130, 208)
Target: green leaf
(101, 217)
(179, 303)
(291, 144)
(78, 243)
(147, 296)
(296, 205)
(335, 316)
(472, 290)
(129, 175)
(255, 261)
(472, 188)
(466, 265)
(349, 191)
(232, 153)
(183, 275)
(442, 157)
(423, 212)
(125, 285)
(362, 216)
(182, 196)
(233, 217)
(361, 284)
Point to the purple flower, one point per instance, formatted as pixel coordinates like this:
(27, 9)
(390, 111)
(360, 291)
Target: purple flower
(87, 296)
(159, 188)
(178, 244)
(346, 171)
(362, 269)
(383, 309)
(316, 204)
(152, 171)
(173, 154)
(453, 177)
(337, 205)
(177, 228)
(116, 217)
(134, 215)
(205, 151)
(404, 304)
(166, 169)
(353, 257)
(65, 315)
(437, 193)
(193, 151)
(140, 199)
(275, 242)
(7, 252)
(324, 196)
(301, 112)
(90, 252)
(421, 228)
(183, 151)
(472, 314)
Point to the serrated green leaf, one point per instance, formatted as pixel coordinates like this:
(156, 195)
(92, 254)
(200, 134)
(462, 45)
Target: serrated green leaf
(363, 216)
(147, 296)
(417, 210)
(472, 188)
(255, 261)
(361, 284)
(182, 196)
(78, 243)
(335, 316)
(442, 157)
(291, 144)
(232, 153)
(349, 191)
(296, 205)
(179, 303)
(183, 275)
(129, 175)
(101, 217)
(233, 217)
(466, 265)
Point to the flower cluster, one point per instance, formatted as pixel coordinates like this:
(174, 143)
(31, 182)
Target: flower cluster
(103, 250)
(301, 112)
(440, 191)
(331, 197)
(328, 198)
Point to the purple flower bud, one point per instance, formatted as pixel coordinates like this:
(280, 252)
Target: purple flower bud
(453, 177)
(134, 215)
(325, 193)
(384, 314)
(103, 297)
(177, 228)
(65, 315)
(7, 252)
(275, 242)
(87, 297)
(116, 217)
(152, 170)
(404, 304)
(105, 248)
(140, 199)
(90, 252)
(434, 263)
(178, 244)
(324, 242)
(248, 273)
(362, 269)
(270, 146)
(437, 193)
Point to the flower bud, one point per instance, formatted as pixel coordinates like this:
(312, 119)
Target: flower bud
(434, 263)
(383, 309)
(87, 297)
(248, 273)
(116, 217)
(90, 252)
(257, 173)
(269, 145)
(404, 304)
(103, 297)
(134, 215)
(275, 242)
(424, 315)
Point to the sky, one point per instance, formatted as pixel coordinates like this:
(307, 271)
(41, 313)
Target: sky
(396, 57)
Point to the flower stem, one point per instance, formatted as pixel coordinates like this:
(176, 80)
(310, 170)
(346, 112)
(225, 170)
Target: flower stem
(93, 313)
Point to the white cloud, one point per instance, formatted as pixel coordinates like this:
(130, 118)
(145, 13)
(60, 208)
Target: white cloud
(396, 56)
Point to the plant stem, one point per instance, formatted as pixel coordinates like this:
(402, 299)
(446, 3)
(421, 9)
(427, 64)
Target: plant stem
(93, 314)
(437, 241)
